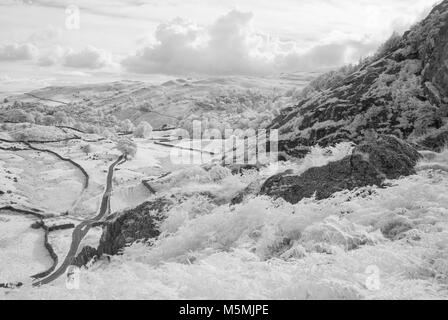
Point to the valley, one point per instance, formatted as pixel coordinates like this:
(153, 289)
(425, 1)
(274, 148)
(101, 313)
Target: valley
(329, 185)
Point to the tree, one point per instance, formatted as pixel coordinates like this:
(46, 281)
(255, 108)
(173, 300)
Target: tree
(49, 120)
(20, 136)
(92, 129)
(38, 117)
(145, 107)
(127, 126)
(112, 119)
(20, 116)
(108, 134)
(60, 117)
(17, 105)
(127, 147)
(87, 148)
(143, 130)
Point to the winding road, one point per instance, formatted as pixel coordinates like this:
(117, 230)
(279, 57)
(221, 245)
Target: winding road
(83, 228)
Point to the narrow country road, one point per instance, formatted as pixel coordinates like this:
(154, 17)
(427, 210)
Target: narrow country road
(83, 228)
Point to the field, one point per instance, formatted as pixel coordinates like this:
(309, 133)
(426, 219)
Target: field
(260, 249)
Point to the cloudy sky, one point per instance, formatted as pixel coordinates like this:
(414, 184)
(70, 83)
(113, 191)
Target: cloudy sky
(44, 40)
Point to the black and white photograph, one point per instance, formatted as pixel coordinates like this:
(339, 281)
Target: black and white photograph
(238, 150)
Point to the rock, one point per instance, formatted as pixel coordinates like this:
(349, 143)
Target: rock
(139, 223)
(401, 91)
(437, 141)
(37, 225)
(369, 164)
(124, 228)
(395, 228)
(390, 155)
(252, 189)
(87, 254)
(240, 168)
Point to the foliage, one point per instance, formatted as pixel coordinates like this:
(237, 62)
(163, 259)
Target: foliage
(143, 130)
(391, 44)
(127, 147)
(87, 148)
(127, 126)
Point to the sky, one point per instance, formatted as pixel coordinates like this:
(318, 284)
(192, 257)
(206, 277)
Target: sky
(47, 41)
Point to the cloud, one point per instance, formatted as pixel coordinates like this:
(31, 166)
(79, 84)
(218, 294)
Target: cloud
(53, 51)
(89, 58)
(16, 51)
(231, 45)
(49, 34)
(52, 56)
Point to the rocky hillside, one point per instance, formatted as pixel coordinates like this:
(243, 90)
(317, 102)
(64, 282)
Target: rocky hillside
(370, 163)
(402, 90)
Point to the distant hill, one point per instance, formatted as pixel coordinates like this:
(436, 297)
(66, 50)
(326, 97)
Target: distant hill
(402, 90)
(225, 101)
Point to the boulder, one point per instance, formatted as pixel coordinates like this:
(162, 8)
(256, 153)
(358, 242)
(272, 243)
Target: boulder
(369, 164)
(122, 229)
(87, 253)
(135, 224)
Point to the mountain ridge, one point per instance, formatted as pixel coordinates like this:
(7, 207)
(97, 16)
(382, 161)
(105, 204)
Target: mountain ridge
(402, 91)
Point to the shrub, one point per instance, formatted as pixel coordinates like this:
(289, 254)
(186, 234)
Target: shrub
(87, 148)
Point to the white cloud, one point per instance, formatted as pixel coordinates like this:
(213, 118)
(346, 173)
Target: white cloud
(16, 51)
(49, 34)
(52, 55)
(232, 46)
(89, 58)
(297, 34)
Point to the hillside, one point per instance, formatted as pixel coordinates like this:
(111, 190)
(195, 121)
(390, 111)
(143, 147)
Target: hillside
(402, 90)
(237, 102)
